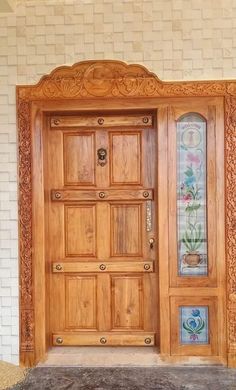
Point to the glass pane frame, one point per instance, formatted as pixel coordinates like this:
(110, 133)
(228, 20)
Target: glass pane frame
(192, 195)
(209, 279)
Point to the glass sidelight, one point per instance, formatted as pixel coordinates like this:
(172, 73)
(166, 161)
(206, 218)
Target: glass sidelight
(191, 195)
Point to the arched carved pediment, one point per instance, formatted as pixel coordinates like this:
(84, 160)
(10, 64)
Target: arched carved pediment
(115, 79)
(95, 79)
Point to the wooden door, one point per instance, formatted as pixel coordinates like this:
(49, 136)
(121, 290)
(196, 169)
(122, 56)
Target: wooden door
(101, 237)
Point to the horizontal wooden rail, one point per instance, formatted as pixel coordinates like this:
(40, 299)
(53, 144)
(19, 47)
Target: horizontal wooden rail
(75, 195)
(92, 266)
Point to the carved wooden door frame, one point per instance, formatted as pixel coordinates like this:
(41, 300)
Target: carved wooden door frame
(103, 80)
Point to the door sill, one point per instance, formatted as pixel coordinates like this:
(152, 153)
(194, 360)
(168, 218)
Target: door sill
(102, 356)
(120, 357)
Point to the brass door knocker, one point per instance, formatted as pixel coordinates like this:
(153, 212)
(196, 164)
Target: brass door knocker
(102, 157)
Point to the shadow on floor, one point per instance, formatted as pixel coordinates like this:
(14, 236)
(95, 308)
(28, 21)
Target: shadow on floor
(158, 378)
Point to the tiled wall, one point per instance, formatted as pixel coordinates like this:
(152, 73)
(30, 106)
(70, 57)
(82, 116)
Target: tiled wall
(177, 39)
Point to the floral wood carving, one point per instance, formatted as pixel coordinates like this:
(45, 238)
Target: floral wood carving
(113, 79)
(27, 336)
(25, 224)
(103, 79)
(230, 116)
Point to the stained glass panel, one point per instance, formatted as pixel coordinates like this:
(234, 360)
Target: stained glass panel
(191, 195)
(193, 325)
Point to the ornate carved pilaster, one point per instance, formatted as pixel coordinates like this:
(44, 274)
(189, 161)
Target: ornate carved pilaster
(231, 215)
(25, 226)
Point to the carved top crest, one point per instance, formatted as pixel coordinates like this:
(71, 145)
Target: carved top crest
(109, 78)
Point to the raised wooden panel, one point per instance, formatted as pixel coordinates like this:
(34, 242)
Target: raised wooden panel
(126, 233)
(127, 302)
(81, 302)
(80, 230)
(79, 159)
(125, 160)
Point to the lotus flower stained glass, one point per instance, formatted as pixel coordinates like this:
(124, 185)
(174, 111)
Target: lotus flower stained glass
(194, 325)
(191, 195)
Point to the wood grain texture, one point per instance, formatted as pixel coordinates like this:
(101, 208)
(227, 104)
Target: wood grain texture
(81, 302)
(59, 121)
(79, 159)
(98, 267)
(103, 266)
(133, 84)
(105, 339)
(80, 230)
(127, 302)
(126, 230)
(125, 161)
(61, 195)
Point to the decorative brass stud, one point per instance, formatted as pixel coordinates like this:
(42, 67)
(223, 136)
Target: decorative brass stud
(147, 340)
(145, 194)
(59, 340)
(102, 195)
(58, 267)
(102, 267)
(56, 122)
(146, 267)
(57, 195)
(145, 120)
(103, 340)
(100, 121)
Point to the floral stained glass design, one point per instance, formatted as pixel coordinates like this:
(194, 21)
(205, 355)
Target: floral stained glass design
(191, 196)
(194, 325)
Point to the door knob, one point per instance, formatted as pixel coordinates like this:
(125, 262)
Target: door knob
(102, 156)
(151, 242)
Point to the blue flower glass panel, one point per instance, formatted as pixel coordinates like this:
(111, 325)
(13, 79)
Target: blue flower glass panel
(194, 325)
(191, 196)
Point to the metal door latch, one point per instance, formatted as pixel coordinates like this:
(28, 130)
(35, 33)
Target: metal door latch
(102, 157)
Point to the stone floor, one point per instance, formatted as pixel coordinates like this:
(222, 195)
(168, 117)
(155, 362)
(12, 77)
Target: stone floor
(139, 378)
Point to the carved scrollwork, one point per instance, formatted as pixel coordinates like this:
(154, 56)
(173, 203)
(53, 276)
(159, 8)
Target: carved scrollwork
(27, 332)
(25, 226)
(25, 204)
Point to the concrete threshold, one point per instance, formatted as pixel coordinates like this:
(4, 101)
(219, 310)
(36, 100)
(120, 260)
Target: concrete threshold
(109, 357)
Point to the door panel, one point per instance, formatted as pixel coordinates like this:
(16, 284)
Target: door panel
(103, 275)
(125, 149)
(80, 230)
(127, 302)
(126, 230)
(79, 159)
(81, 302)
